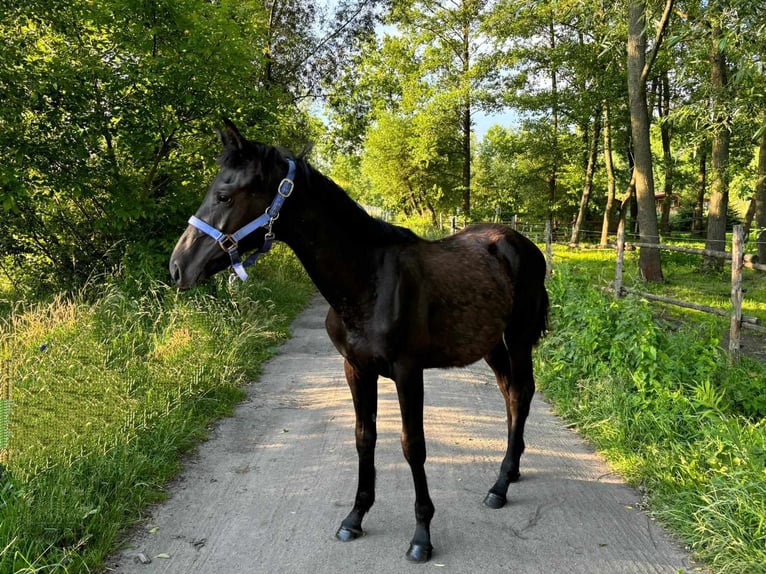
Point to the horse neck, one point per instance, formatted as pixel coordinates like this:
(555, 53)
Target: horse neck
(336, 240)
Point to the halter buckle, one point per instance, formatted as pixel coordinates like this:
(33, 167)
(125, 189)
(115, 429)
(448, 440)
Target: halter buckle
(288, 184)
(228, 243)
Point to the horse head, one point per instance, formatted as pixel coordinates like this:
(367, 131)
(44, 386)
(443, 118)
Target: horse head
(237, 212)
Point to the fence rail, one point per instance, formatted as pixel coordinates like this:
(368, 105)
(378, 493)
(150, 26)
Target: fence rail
(737, 258)
(747, 259)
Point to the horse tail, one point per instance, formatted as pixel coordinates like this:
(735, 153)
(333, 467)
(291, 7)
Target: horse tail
(529, 314)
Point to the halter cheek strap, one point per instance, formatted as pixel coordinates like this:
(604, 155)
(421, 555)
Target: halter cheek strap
(230, 243)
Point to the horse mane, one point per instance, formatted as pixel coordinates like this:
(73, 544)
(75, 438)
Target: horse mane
(363, 225)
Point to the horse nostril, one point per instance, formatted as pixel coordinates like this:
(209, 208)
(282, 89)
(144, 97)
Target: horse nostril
(175, 272)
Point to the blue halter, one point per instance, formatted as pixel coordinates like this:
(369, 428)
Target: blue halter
(230, 243)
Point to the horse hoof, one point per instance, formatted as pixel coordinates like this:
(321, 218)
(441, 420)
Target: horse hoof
(347, 534)
(419, 553)
(495, 501)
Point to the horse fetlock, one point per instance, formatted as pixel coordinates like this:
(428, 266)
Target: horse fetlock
(424, 512)
(363, 503)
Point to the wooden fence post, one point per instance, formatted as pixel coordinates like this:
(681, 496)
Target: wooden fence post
(548, 249)
(620, 258)
(737, 260)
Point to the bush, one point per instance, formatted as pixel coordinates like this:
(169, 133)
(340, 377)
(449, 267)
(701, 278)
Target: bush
(660, 402)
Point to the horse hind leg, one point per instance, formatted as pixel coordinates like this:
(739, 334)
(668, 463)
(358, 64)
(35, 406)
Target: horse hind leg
(513, 370)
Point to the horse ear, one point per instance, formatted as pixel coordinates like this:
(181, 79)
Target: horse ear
(230, 137)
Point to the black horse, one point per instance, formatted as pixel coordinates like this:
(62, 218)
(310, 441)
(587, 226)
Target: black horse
(398, 304)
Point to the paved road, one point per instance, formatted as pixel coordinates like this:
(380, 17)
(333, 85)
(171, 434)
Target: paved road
(266, 493)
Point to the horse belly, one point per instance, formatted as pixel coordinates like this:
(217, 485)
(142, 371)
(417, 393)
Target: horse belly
(469, 312)
(459, 337)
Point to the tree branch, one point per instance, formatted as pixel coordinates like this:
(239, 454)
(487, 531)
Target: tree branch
(661, 29)
(332, 35)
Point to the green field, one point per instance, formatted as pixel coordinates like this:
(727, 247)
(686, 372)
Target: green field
(649, 385)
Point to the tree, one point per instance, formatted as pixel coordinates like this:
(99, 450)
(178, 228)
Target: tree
(440, 58)
(512, 170)
(455, 60)
(590, 168)
(662, 89)
(721, 138)
(611, 193)
(639, 67)
(410, 165)
(760, 196)
(528, 35)
(107, 141)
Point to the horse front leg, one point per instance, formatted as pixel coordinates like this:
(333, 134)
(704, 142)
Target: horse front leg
(513, 370)
(364, 391)
(409, 387)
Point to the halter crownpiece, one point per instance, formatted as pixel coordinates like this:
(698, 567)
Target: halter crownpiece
(230, 243)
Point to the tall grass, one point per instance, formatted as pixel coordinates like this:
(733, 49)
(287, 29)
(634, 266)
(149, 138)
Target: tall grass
(659, 400)
(108, 392)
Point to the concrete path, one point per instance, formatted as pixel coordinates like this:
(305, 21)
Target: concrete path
(266, 493)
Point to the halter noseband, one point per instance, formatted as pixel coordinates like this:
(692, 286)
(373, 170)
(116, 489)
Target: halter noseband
(230, 243)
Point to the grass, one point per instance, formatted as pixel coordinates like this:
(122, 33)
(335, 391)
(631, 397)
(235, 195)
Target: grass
(108, 392)
(683, 279)
(658, 399)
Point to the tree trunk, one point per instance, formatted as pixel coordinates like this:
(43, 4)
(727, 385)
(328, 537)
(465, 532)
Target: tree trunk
(699, 204)
(466, 144)
(719, 184)
(719, 199)
(466, 121)
(663, 107)
(611, 188)
(760, 198)
(553, 176)
(649, 258)
(590, 169)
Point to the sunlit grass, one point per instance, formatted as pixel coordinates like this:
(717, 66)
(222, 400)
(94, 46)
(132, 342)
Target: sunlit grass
(683, 278)
(107, 393)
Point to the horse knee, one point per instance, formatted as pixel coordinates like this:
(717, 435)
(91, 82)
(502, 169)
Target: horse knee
(414, 449)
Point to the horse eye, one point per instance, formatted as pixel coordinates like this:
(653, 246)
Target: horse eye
(223, 198)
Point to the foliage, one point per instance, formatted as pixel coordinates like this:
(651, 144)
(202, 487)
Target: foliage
(107, 394)
(658, 399)
(106, 129)
(409, 164)
(419, 86)
(511, 174)
(102, 152)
